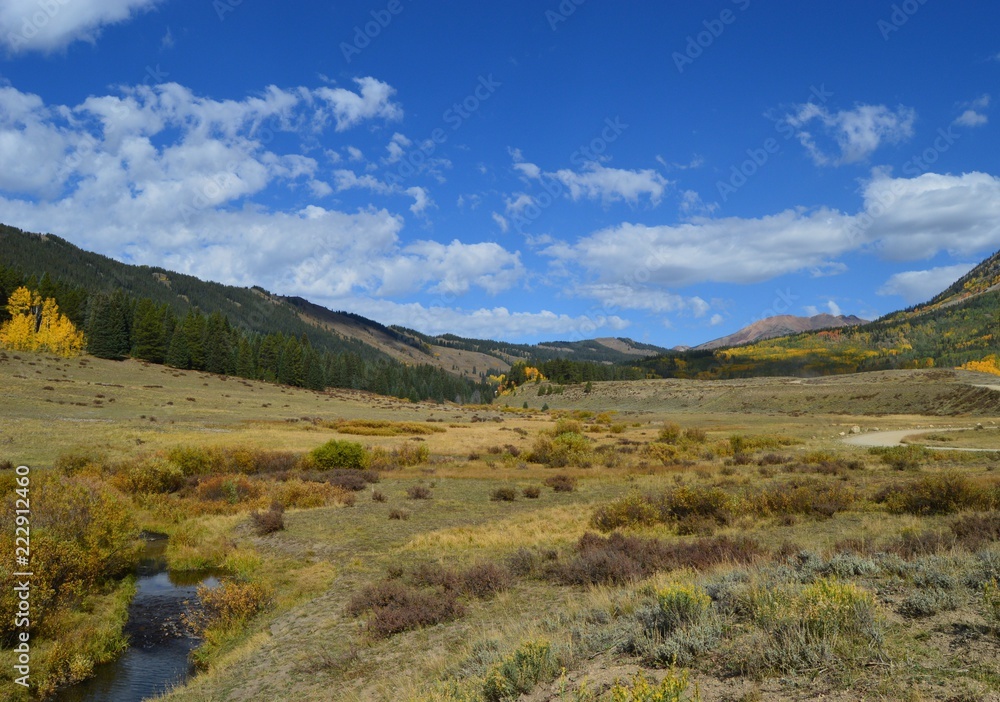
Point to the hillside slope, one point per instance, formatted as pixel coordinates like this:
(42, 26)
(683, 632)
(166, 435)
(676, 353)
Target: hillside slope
(781, 325)
(959, 325)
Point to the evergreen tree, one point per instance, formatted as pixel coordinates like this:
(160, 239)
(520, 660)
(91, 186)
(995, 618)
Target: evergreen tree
(178, 354)
(108, 326)
(148, 332)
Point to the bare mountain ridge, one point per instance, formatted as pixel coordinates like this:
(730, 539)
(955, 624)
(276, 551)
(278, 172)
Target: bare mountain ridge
(781, 325)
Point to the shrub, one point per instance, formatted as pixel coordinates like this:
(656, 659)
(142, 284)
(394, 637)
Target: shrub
(485, 580)
(670, 433)
(306, 495)
(902, 457)
(148, 476)
(826, 624)
(695, 436)
(227, 488)
(403, 609)
(673, 688)
(379, 427)
(229, 605)
(418, 492)
(680, 605)
(629, 511)
(976, 530)
(79, 461)
(944, 493)
(268, 522)
(503, 494)
(619, 558)
(561, 483)
(926, 602)
(340, 454)
(401, 514)
(517, 674)
(379, 496)
(532, 492)
(567, 426)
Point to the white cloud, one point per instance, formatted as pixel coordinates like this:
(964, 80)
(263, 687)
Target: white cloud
(857, 133)
(716, 320)
(973, 115)
(483, 323)
(345, 179)
(833, 308)
(615, 296)
(167, 42)
(971, 118)
(920, 286)
(29, 25)
(160, 176)
(501, 221)
(597, 182)
(350, 109)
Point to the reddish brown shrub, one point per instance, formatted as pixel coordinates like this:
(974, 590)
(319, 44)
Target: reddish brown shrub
(268, 522)
(561, 483)
(418, 492)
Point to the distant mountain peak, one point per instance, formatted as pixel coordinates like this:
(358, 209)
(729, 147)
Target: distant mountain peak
(781, 325)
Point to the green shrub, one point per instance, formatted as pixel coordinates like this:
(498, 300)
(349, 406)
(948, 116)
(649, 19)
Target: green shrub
(681, 605)
(340, 454)
(673, 688)
(517, 674)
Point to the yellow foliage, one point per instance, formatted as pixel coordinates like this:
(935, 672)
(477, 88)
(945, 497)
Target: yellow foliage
(37, 325)
(987, 365)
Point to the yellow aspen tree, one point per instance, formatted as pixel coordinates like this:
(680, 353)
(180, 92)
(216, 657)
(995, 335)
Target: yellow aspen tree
(38, 326)
(57, 333)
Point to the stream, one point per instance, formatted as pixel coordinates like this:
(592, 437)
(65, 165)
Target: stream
(157, 657)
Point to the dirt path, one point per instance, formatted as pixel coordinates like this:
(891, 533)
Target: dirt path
(896, 436)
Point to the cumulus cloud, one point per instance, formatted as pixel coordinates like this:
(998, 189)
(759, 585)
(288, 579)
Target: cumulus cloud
(348, 109)
(160, 176)
(856, 133)
(29, 25)
(920, 286)
(636, 297)
(901, 219)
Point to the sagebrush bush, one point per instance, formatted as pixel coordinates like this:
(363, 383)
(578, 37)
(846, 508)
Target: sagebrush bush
(520, 672)
(680, 605)
(991, 602)
(340, 454)
(532, 492)
(902, 457)
(400, 514)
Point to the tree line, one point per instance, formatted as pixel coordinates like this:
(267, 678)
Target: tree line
(118, 326)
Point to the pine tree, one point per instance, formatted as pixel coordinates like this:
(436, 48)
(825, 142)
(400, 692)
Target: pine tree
(178, 355)
(148, 332)
(108, 326)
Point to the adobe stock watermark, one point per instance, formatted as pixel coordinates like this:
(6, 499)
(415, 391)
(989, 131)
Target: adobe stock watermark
(224, 7)
(900, 15)
(35, 22)
(757, 157)
(554, 189)
(698, 43)
(453, 117)
(365, 34)
(562, 13)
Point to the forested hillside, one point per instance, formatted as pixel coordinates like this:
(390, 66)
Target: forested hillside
(163, 317)
(958, 326)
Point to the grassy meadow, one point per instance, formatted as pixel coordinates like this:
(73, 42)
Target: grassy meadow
(646, 540)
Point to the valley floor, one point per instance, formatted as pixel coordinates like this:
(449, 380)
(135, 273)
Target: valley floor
(722, 531)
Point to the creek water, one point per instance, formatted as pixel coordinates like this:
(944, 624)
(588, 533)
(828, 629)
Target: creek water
(157, 656)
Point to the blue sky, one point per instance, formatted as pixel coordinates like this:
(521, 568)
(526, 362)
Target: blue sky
(529, 171)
